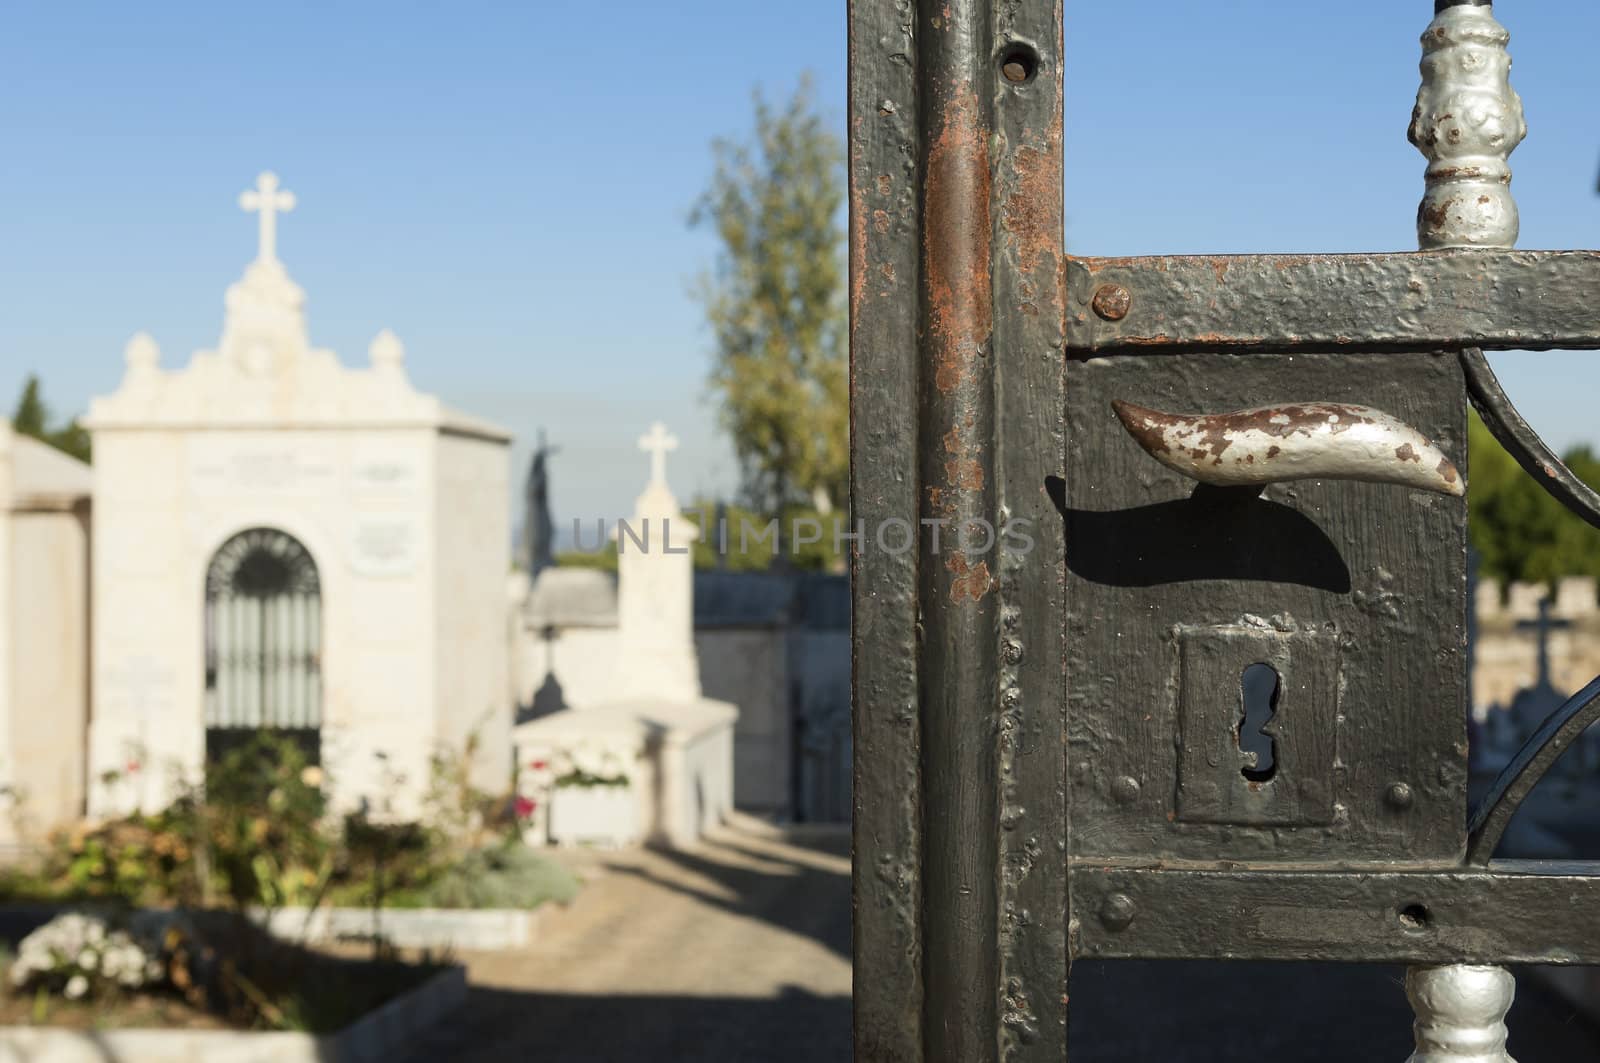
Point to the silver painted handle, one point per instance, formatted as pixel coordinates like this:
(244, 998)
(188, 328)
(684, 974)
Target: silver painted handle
(1297, 441)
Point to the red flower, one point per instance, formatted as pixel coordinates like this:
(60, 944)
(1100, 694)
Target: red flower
(133, 766)
(526, 806)
(536, 765)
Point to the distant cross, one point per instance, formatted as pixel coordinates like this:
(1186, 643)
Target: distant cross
(267, 200)
(657, 442)
(1544, 625)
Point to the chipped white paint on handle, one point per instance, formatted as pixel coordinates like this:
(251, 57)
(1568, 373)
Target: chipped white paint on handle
(1461, 1013)
(1296, 441)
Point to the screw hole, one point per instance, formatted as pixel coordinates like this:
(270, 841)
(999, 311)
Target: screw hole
(1415, 917)
(1018, 63)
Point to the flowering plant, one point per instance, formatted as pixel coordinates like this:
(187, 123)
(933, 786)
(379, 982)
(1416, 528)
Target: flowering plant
(588, 763)
(78, 955)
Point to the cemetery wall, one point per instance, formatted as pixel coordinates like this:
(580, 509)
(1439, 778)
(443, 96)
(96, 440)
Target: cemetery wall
(1505, 649)
(748, 667)
(585, 662)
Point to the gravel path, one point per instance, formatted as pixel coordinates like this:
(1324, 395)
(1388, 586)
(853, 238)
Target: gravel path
(736, 951)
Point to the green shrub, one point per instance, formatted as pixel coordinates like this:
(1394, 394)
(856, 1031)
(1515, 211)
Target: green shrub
(502, 876)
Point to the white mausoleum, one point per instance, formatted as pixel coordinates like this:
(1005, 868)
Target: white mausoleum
(285, 543)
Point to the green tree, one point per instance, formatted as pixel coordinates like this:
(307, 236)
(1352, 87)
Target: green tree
(32, 418)
(1519, 531)
(775, 302)
(32, 415)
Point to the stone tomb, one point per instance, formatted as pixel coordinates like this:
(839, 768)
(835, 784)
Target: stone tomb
(650, 758)
(44, 635)
(285, 543)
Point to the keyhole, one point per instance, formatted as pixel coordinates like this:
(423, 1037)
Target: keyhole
(1260, 684)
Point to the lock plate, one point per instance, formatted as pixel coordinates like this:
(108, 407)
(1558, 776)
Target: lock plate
(1214, 770)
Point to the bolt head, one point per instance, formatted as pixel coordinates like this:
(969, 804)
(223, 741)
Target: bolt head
(1399, 796)
(1125, 789)
(1117, 912)
(1112, 302)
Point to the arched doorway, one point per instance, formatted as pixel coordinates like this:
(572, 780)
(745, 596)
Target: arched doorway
(263, 614)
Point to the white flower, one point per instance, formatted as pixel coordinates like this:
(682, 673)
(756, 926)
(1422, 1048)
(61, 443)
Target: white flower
(88, 959)
(77, 986)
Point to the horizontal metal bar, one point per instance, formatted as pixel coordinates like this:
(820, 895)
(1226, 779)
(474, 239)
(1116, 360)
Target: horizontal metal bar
(1534, 300)
(1509, 912)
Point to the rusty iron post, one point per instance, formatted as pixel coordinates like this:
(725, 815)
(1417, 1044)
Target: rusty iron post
(956, 326)
(959, 634)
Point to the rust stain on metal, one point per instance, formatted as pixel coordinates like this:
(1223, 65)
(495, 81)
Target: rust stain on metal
(971, 582)
(1406, 452)
(880, 221)
(858, 240)
(1030, 214)
(965, 474)
(956, 243)
(885, 185)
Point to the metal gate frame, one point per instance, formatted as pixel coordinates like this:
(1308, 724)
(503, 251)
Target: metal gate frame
(965, 313)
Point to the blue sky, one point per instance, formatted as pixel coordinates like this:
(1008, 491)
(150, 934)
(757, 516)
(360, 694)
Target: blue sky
(507, 185)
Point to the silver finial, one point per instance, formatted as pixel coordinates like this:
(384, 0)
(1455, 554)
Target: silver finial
(1467, 122)
(1461, 1013)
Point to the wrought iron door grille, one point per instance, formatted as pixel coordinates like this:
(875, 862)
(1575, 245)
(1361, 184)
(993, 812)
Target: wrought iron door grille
(263, 637)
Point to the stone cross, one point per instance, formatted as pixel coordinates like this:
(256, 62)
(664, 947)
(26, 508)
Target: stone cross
(267, 200)
(1544, 625)
(657, 442)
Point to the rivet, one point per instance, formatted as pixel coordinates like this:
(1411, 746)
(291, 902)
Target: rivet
(1011, 651)
(1018, 63)
(1399, 795)
(1112, 302)
(1125, 789)
(1117, 912)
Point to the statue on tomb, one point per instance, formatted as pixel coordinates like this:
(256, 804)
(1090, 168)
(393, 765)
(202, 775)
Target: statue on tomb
(538, 528)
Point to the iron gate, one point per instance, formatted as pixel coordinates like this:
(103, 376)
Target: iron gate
(1218, 710)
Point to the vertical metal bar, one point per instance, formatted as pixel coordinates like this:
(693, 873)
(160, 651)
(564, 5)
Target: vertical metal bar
(1466, 71)
(959, 611)
(957, 422)
(886, 823)
(314, 660)
(1030, 453)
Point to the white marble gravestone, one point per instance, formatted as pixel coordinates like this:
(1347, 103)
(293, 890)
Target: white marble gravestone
(44, 635)
(668, 748)
(374, 517)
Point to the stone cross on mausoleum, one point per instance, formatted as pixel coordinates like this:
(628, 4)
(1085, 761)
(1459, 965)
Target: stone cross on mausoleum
(266, 199)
